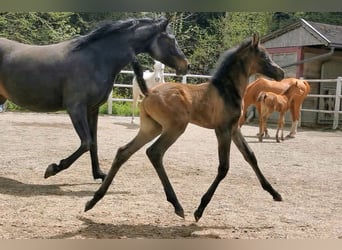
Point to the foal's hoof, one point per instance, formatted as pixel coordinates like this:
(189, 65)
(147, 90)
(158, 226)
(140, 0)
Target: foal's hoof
(198, 215)
(277, 197)
(50, 171)
(89, 205)
(180, 213)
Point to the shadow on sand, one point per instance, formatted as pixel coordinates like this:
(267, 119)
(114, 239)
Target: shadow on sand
(13, 187)
(93, 230)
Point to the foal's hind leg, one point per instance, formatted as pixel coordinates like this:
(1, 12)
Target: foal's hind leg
(148, 130)
(156, 153)
(79, 119)
(249, 156)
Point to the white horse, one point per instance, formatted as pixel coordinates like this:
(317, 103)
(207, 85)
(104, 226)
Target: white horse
(151, 78)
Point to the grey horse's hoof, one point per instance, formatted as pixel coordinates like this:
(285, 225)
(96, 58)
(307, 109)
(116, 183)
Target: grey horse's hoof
(50, 171)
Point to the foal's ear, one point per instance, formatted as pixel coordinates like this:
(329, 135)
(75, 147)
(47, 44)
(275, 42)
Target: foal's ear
(255, 40)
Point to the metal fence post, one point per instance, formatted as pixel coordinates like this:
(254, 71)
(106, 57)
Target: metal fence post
(337, 102)
(300, 110)
(184, 79)
(110, 103)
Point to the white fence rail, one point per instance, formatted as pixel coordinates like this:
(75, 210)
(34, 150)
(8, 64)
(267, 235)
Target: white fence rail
(111, 99)
(336, 112)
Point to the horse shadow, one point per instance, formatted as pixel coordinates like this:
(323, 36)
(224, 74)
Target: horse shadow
(255, 139)
(16, 188)
(96, 230)
(128, 125)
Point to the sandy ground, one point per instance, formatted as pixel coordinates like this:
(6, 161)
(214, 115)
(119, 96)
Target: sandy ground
(307, 171)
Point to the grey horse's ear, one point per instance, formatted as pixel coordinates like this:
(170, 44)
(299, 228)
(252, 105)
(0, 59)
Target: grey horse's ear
(164, 22)
(255, 40)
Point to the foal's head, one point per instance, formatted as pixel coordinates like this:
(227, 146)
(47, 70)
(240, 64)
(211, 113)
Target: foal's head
(262, 62)
(294, 89)
(164, 48)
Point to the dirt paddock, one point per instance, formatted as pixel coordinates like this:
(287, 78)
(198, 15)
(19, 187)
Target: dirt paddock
(307, 171)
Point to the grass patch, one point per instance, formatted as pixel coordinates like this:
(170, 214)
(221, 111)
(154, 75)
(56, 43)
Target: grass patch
(120, 109)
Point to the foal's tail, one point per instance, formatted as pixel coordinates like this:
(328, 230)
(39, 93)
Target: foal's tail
(139, 76)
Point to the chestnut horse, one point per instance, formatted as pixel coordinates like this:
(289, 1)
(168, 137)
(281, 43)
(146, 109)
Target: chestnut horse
(262, 84)
(169, 107)
(271, 102)
(77, 75)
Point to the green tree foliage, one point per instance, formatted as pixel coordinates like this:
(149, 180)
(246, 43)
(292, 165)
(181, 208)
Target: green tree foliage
(200, 37)
(237, 26)
(37, 28)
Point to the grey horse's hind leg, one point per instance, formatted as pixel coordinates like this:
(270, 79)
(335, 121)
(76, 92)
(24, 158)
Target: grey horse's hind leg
(97, 172)
(79, 119)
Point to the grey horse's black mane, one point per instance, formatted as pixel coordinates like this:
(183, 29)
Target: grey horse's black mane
(108, 28)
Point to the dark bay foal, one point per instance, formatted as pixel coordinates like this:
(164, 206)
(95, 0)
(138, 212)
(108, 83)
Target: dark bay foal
(169, 107)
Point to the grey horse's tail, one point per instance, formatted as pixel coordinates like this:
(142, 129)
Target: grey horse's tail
(139, 76)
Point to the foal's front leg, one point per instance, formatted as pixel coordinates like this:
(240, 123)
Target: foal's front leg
(249, 156)
(224, 142)
(280, 128)
(261, 128)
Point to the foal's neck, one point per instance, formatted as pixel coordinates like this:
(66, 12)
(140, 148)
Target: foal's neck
(290, 92)
(231, 84)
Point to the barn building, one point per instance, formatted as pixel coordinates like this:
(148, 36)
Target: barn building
(313, 51)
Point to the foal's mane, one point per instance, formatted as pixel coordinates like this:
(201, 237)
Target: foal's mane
(224, 81)
(226, 60)
(107, 28)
